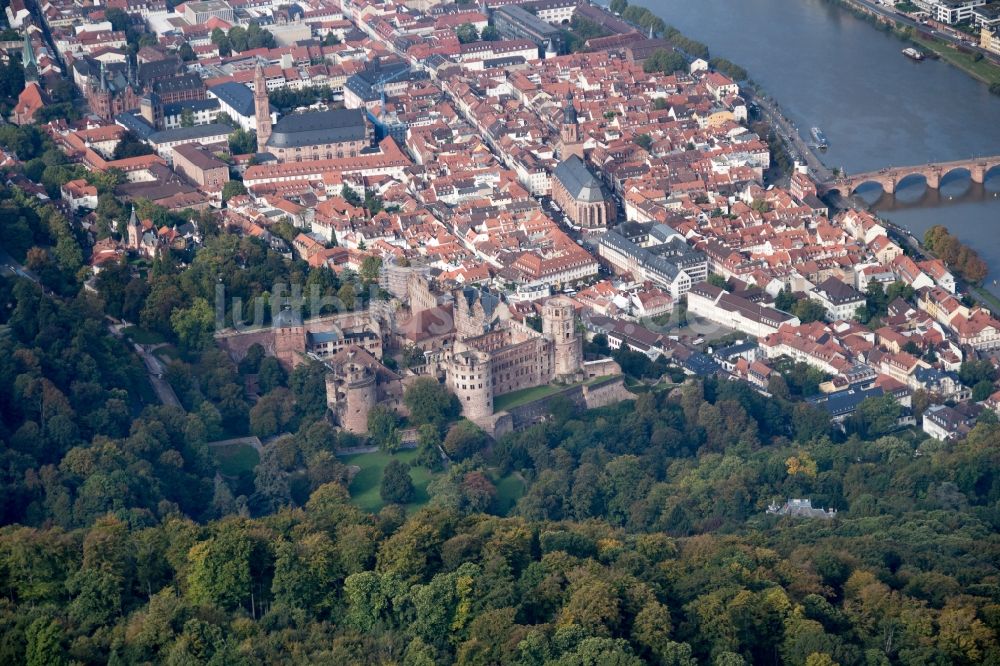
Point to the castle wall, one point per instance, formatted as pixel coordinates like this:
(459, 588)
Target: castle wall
(601, 394)
(418, 292)
(390, 394)
(469, 322)
(521, 366)
(343, 320)
(238, 345)
(288, 344)
(608, 392)
(489, 342)
(497, 425)
(601, 368)
(519, 332)
(370, 342)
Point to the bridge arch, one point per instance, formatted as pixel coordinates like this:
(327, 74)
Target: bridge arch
(963, 169)
(955, 181)
(887, 183)
(930, 180)
(991, 170)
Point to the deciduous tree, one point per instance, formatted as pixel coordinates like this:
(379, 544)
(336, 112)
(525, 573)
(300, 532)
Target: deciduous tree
(397, 486)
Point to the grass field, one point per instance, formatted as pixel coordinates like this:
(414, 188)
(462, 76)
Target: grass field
(524, 396)
(235, 459)
(142, 336)
(515, 398)
(366, 483)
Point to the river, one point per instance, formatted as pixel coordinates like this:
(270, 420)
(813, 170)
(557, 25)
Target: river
(830, 69)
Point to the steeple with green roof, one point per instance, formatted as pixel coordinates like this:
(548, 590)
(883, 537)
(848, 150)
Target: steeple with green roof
(28, 61)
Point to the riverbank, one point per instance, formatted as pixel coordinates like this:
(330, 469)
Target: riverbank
(983, 69)
(904, 237)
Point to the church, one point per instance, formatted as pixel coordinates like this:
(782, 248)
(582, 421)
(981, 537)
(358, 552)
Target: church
(112, 91)
(584, 198)
(32, 98)
(315, 135)
(576, 190)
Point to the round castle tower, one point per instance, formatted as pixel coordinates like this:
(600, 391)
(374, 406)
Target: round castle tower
(470, 378)
(559, 325)
(360, 398)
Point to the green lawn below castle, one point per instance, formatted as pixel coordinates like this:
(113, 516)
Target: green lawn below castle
(524, 396)
(365, 485)
(367, 482)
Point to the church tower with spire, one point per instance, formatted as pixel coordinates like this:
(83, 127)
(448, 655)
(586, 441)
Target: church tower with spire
(134, 231)
(28, 61)
(262, 106)
(569, 131)
(32, 98)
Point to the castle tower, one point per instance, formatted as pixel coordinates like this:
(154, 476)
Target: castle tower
(470, 378)
(559, 325)
(569, 131)
(262, 106)
(289, 338)
(359, 398)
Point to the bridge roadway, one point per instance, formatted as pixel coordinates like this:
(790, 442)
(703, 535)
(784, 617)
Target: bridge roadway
(932, 172)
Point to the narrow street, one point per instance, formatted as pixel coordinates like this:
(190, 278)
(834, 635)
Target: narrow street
(796, 145)
(9, 265)
(154, 367)
(164, 391)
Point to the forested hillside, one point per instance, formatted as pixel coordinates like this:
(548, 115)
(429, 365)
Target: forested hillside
(642, 536)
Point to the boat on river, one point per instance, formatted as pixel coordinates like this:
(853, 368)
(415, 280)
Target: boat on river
(819, 137)
(913, 54)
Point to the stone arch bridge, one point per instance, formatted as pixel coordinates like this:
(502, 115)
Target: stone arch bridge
(932, 173)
